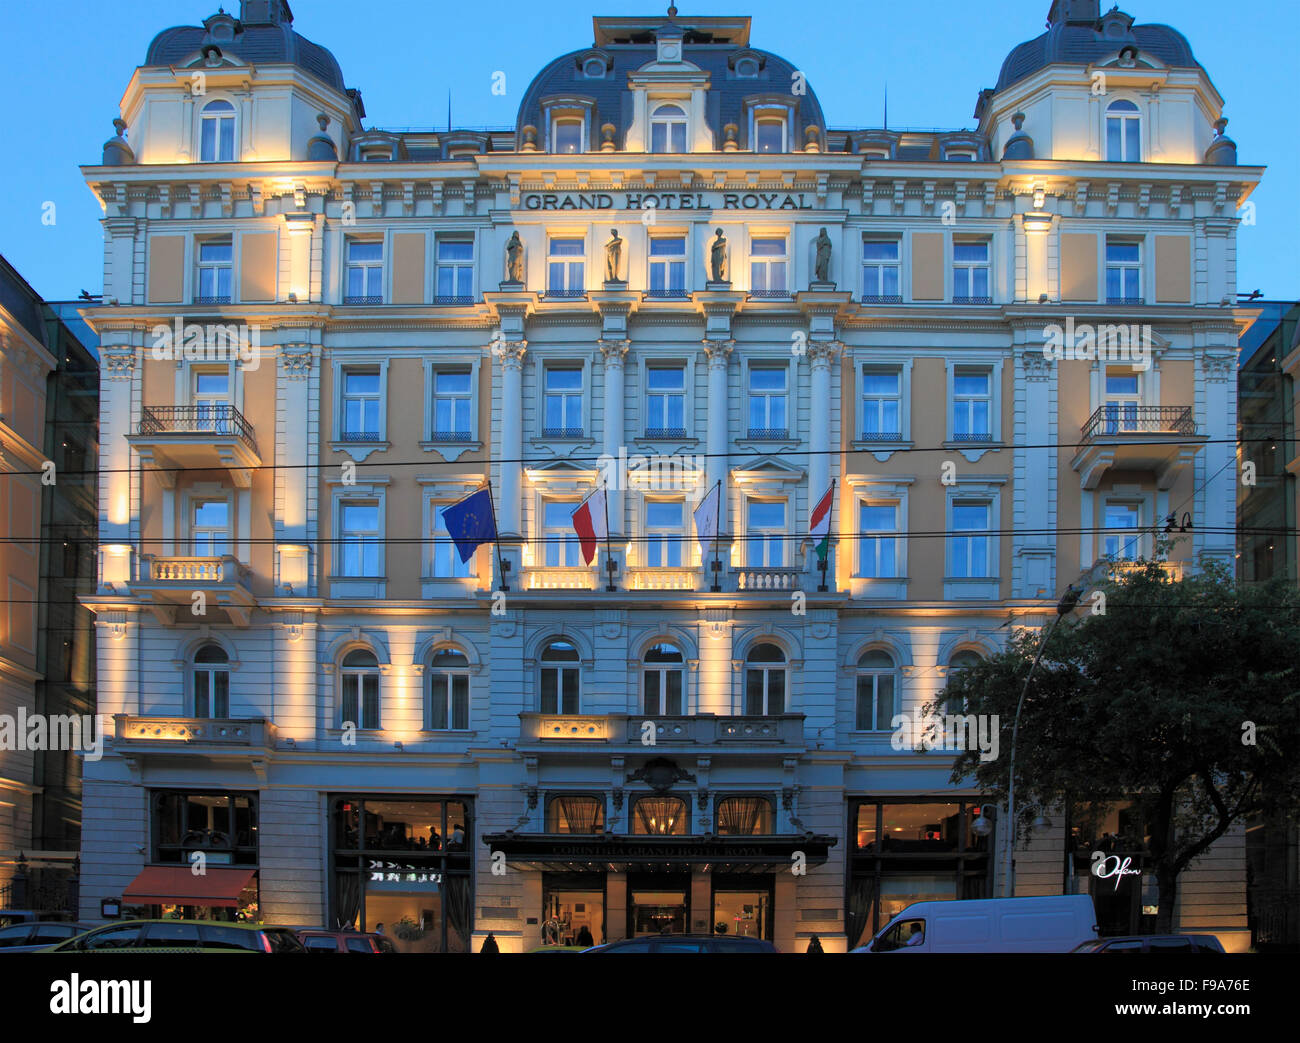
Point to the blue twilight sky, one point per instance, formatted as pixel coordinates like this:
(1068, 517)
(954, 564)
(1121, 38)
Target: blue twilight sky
(67, 64)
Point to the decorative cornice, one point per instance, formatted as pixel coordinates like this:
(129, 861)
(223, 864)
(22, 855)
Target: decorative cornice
(118, 365)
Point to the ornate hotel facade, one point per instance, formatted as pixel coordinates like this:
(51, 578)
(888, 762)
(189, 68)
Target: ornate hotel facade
(672, 263)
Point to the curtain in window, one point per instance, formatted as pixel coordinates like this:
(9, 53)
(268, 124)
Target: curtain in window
(347, 899)
(456, 899)
(582, 813)
(862, 896)
(743, 816)
(660, 815)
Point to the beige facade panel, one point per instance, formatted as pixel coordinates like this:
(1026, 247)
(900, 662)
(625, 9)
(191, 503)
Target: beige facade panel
(927, 266)
(408, 267)
(258, 263)
(1078, 266)
(1173, 269)
(166, 269)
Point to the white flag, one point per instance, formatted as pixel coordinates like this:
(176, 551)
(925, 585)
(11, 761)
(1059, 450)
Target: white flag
(706, 520)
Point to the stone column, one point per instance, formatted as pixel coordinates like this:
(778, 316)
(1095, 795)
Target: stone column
(719, 353)
(614, 353)
(821, 356)
(510, 452)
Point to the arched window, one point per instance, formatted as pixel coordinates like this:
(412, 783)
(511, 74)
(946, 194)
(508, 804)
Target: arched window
(561, 684)
(877, 692)
(448, 689)
(659, 816)
(960, 661)
(668, 129)
(211, 682)
(359, 679)
(765, 680)
(1123, 132)
(744, 816)
(575, 814)
(769, 134)
(217, 133)
(664, 680)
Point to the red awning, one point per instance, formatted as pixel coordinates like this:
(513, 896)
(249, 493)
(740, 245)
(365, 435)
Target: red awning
(177, 885)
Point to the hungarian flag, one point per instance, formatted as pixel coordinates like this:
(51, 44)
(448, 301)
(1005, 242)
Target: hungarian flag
(819, 527)
(590, 524)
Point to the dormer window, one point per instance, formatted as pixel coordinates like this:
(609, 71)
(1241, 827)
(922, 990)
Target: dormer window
(1123, 132)
(217, 133)
(668, 129)
(566, 136)
(594, 69)
(747, 68)
(769, 134)
(961, 155)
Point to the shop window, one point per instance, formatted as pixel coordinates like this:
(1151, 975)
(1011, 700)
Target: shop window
(221, 826)
(659, 816)
(575, 814)
(744, 816)
(664, 680)
(211, 682)
(742, 914)
(766, 674)
(560, 678)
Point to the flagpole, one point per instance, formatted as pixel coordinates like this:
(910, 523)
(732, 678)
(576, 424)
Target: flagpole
(496, 537)
(825, 559)
(609, 555)
(717, 525)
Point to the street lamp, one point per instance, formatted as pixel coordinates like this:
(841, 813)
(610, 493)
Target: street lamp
(1063, 608)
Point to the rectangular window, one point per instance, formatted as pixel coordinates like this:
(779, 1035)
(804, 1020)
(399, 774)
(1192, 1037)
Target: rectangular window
(455, 271)
(211, 691)
(767, 262)
(970, 541)
(880, 266)
(665, 402)
(765, 532)
(448, 700)
(972, 403)
(559, 689)
(209, 528)
(1123, 399)
(1121, 538)
(668, 266)
(970, 273)
(769, 135)
(567, 135)
(559, 537)
(875, 701)
(359, 538)
(361, 699)
(562, 405)
(446, 558)
(663, 524)
(878, 523)
(882, 406)
(565, 269)
(768, 417)
(361, 401)
(452, 390)
(1123, 272)
(214, 274)
(364, 277)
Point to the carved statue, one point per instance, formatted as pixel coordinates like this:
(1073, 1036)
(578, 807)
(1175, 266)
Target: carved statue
(514, 259)
(613, 256)
(718, 258)
(823, 265)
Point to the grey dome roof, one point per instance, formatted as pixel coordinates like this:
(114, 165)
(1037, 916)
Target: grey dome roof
(253, 43)
(1080, 44)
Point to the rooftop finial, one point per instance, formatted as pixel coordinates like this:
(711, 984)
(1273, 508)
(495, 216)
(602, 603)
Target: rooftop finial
(672, 11)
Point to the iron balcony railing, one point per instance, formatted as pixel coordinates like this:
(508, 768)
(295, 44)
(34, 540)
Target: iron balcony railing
(665, 432)
(1122, 418)
(881, 298)
(972, 300)
(769, 434)
(205, 419)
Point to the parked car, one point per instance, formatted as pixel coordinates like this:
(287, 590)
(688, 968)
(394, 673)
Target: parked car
(321, 940)
(15, 916)
(177, 936)
(32, 935)
(1052, 923)
(1155, 943)
(711, 943)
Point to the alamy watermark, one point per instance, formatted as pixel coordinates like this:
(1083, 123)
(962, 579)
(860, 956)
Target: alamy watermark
(210, 342)
(1109, 342)
(955, 733)
(22, 732)
(678, 472)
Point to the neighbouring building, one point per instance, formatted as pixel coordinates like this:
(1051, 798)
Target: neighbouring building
(670, 276)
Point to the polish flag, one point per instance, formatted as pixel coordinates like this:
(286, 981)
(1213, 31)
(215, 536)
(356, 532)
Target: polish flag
(590, 524)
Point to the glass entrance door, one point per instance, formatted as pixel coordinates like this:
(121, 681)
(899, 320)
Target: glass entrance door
(658, 912)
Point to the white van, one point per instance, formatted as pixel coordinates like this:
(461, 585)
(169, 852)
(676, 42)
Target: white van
(1053, 923)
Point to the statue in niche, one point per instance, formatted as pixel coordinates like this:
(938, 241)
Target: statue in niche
(823, 266)
(515, 258)
(718, 258)
(613, 256)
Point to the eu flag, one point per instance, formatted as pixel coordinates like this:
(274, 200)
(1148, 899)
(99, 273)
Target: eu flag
(471, 522)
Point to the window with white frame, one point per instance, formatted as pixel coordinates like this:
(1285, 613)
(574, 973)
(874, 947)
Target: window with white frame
(1122, 536)
(359, 538)
(560, 677)
(877, 692)
(766, 677)
(963, 660)
(664, 530)
(210, 398)
(211, 682)
(769, 134)
(664, 680)
(769, 402)
(668, 266)
(1123, 132)
(566, 267)
(448, 690)
(209, 520)
(562, 402)
(970, 541)
(765, 533)
(880, 271)
(882, 405)
(452, 391)
(1123, 271)
(665, 402)
(972, 404)
(361, 401)
(364, 272)
(217, 132)
(455, 270)
(359, 690)
(767, 267)
(668, 129)
(1123, 399)
(559, 539)
(879, 547)
(214, 272)
(970, 273)
(566, 135)
(445, 562)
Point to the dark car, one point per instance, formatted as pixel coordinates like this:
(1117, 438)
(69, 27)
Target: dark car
(321, 940)
(1154, 943)
(715, 943)
(183, 936)
(38, 934)
(16, 916)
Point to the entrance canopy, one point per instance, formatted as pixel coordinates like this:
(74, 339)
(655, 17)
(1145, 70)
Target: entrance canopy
(647, 854)
(177, 885)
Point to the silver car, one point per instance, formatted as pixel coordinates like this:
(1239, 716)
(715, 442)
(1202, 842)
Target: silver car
(35, 935)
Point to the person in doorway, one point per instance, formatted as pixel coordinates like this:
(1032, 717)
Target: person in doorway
(584, 937)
